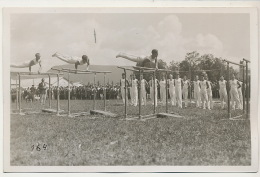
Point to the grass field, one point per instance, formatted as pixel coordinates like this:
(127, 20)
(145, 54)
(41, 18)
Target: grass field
(202, 137)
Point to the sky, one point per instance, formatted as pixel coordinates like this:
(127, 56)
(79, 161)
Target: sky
(223, 35)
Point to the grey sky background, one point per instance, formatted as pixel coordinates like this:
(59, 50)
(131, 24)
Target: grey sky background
(223, 35)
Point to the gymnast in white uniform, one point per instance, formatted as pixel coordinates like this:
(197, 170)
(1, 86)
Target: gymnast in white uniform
(196, 84)
(172, 90)
(222, 91)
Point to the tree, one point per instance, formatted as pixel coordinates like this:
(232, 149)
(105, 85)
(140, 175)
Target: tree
(190, 64)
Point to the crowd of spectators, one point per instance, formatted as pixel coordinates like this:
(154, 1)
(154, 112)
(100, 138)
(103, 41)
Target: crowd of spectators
(76, 93)
(85, 92)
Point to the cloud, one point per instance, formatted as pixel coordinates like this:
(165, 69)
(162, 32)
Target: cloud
(205, 44)
(164, 36)
(74, 35)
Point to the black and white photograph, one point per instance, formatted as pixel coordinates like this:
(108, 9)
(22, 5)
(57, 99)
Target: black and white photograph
(130, 89)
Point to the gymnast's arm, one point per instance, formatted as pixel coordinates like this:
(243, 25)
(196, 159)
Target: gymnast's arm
(30, 65)
(76, 64)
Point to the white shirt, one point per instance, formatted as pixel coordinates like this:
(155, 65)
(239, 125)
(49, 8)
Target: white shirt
(171, 83)
(222, 85)
(143, 84)
(185, 85)
(151, 84)
(203, 86)
(233, 84)
(134, 83)
(122, 83)
(163, 84)
(196, 86)
(178, 83)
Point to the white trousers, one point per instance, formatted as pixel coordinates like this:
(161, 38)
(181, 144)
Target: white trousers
(163, 95)
(153, 97)
(131, 95)
(178, 94)
(210, 101)
(235, 99)
(197, 97)
(223, 97)
(143, 96)
(172, 95)
(240, 97)
(123, 95)
(185, 96)
(43, 98)
(204, 99)
(135, 96)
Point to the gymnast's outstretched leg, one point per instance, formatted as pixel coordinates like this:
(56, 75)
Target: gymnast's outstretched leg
(21, 65)
(130, 57)
(67, 59)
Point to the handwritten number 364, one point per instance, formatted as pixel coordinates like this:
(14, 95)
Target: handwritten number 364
(38, 147)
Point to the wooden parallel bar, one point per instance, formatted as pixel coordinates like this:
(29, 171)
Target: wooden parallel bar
(58, 94)
(143, 68)
(79, 70)
(139, 95)
(233, 63)
(125, 94)
(228, 91)
(50, 92)
(34, 74)
(69, 94)
(243, 90)
(81, 73)
(20, 94)
(246, 60)
(104, 92)
(127, 68)
(17, 96)
(247, 91)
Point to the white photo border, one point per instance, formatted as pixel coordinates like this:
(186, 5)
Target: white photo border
(254, 100)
